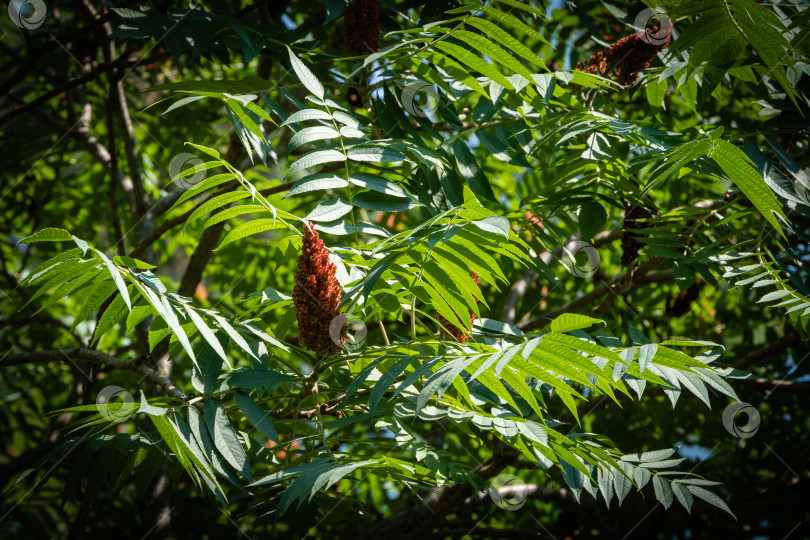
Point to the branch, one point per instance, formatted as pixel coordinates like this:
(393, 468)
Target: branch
(330, 408)
(96, 149)
(34, 58)
(523, 491)
(486, 532)
(766, 353)
(166, 226)
(192, 276)
(103, 154)
(639, 277)
(642, 275)
(41, 318)
(111, 191)
(61, 355)
(199, 259)
(521, 286)
(771, 385)
(140, 198)
(585, 408)
(416, 521)
(333, 407)
(120, 62)
(30, 456)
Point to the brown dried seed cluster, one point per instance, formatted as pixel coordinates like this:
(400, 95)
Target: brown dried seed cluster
(316, 295)
(449, 330)
(630, 243)
(361, 22)
(679, 304)
(628, 56)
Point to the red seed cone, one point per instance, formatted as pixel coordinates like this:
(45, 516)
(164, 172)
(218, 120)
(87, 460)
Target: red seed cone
(361, 22)
(448, 329)
(629, 55)
(316, 295)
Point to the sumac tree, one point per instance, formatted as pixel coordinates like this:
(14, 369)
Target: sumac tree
(354, 269)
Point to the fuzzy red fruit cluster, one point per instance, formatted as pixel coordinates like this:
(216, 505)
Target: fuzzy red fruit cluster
(448, 329)
(316, 295)
(362, 25)
(629, 55)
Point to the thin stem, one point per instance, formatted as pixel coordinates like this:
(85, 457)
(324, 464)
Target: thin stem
(418, 277)
(382, 328)
(348, 175)
(320, 420)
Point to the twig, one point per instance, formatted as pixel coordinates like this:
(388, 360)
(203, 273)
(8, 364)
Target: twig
(51, 45)
(97, 357)
(521, 286)
(771, 385)
(114, 172)
(639, 277)
(121, 62)
(382, 328)
(178, 220)
(768, 352)
(522, 491)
